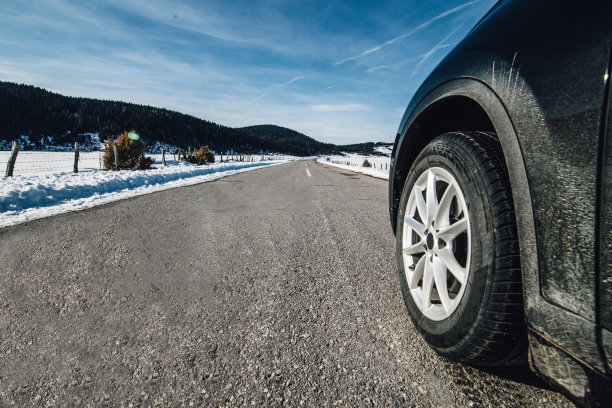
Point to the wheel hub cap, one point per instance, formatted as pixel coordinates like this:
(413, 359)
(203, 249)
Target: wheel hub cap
(436, 261)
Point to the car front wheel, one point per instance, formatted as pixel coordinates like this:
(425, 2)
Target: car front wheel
(457, 251)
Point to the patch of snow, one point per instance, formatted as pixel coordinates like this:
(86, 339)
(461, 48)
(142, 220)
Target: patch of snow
(354, 162)
(386, 150)
(87, 142)
(157, 146)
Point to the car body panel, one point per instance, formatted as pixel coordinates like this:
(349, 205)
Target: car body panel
(605, 233)
(537, 69)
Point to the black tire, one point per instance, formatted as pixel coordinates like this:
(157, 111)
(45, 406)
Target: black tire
(487, 328)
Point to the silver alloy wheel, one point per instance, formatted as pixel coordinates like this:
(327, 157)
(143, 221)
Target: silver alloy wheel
(436, 243)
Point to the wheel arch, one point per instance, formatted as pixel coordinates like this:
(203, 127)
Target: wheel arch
(459, 112)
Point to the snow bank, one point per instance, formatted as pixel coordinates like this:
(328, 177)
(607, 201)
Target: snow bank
(354, 162)
(25, 198)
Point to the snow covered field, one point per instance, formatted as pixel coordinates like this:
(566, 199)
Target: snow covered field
(354, 162)
(43, 183)
(40, 163)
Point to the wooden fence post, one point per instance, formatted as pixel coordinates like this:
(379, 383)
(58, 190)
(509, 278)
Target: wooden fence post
(163, 156)
(11, 162)
(116, 150)
(75, 168)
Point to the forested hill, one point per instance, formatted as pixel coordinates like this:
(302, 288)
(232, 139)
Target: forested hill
(280, 136)
(304, 145)
(39, 114)
(47, 118)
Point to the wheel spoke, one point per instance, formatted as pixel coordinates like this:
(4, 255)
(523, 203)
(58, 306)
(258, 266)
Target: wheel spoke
(427, 283)
(415, 249)
(440, 272)
(416, 226)
(451, 263)
(417, 274)
(432, 199)
(443, 213)
(449, 233)
(420, 203)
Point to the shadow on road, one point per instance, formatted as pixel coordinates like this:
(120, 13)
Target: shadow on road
(520, 374)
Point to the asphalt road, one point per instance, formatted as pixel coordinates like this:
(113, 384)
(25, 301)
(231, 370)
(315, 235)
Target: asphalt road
(268, 288)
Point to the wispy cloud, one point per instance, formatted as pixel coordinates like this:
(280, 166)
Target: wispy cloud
(370, 70)
(411, 32)
(343, 107)
(218, 20)
(297, 78)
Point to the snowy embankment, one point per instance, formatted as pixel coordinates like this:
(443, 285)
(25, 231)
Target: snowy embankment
(43, 192)
(354, 162)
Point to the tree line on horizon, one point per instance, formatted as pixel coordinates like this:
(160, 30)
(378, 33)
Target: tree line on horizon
(39, 114)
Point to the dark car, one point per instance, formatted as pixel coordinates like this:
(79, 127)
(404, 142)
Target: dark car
(500, 196)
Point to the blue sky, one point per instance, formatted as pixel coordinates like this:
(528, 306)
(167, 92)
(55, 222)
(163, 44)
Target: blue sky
(339, 71)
